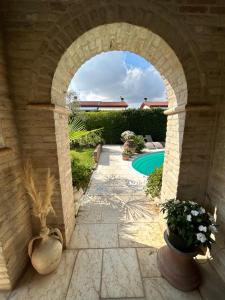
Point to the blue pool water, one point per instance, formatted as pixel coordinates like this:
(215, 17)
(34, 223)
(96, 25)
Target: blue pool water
(147, 163)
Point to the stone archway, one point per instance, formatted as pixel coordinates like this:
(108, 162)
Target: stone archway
(124, 36)
(35, 52)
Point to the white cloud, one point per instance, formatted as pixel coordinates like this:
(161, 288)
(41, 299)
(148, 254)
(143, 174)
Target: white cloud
(107, 77)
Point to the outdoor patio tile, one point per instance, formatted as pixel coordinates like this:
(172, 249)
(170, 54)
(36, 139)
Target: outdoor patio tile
(50, 287)
(212, 286)
(94, 236)
(160, 289)
(148, 262)
(86, 278)
(140, 235)
(4, 295)
(111, 215)
(120, 274)
(89, 214)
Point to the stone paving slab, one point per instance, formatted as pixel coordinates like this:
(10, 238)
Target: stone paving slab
(120, 274)
(50, 287)
(160, 289)
(148, 262)
(94, 236)
(86, 279)
(140, 235)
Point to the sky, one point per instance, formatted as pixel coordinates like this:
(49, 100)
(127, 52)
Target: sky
(109, 75)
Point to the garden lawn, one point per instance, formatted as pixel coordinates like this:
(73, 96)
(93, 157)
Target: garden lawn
(84, 156)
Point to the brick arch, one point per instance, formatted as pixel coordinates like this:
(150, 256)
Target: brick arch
(79, 18)
(121, 36)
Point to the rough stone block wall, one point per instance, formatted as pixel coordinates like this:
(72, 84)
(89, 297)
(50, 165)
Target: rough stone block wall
(14, 209)
(65, 176)
(173, 150)
(196, 154)
(216, 193)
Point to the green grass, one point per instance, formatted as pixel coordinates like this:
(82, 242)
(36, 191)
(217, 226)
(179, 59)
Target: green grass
(84, 156)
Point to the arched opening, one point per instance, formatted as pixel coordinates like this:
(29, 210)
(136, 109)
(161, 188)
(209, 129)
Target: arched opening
(127, 37)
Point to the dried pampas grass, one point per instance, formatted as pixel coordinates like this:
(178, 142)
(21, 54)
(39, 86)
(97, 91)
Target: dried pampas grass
(41, 202)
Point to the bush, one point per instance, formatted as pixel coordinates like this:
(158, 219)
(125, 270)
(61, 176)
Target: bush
(80, 174)
(88, 138)
(139, 142)
(140, 121)
(154, 183)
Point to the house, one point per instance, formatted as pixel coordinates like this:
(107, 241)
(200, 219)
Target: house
(102, 105)
(154, 104)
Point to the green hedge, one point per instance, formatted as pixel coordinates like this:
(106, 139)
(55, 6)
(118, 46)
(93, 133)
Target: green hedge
(140, 121)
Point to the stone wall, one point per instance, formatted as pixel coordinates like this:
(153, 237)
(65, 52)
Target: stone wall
(14, 209)
(216, 192)
(36, 36)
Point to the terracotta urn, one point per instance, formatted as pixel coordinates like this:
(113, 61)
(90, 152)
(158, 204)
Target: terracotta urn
(130, 145)
(177, 267)
(45, 251)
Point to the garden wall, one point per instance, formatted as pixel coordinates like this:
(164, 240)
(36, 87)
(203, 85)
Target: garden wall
(140, 121)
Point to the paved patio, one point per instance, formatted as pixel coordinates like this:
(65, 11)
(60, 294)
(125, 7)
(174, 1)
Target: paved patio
(112, 254)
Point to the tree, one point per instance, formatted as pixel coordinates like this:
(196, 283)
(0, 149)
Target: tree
(72, 102)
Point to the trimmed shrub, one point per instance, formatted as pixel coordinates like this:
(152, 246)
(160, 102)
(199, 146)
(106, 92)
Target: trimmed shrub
(81, 174)
(139, 142)
(154, 183)
(140, 121)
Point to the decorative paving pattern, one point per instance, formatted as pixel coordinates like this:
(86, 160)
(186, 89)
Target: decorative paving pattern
(112, 253)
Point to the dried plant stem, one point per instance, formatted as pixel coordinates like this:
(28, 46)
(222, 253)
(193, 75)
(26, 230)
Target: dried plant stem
(41, 205)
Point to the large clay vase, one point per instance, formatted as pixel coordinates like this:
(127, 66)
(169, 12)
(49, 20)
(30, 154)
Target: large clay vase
(177, 267)
(130, 145)
(45, 251)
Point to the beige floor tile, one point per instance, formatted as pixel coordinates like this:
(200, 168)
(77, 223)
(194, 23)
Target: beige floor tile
(89, 214)
(86, 278)
(94, 236)
(120, 274)
(160, 289)
(212, 286)
(50, 287)
(140, 235)
(4, 295)
(148, 262)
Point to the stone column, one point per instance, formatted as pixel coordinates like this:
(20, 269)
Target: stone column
(45, 141)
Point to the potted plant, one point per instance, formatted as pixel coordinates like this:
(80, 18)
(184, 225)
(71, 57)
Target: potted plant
(139, 143)
(128, 138)
(45, 249)
(126, 154)
(190, 230)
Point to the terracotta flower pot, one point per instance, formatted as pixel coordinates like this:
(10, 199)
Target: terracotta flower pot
(45, 251)
(130, 145)
(177, 267)
(125, 157)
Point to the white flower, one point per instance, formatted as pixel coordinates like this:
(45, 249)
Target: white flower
(177, 201)
(211, 218)
(213, 228)
(201, 210)
(202, 228)
(185, 208)
(192, 202)
(201, 237)
(189, 218)
(194, 212)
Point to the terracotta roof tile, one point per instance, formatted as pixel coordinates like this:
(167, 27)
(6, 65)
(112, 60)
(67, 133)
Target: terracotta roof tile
(103, 104)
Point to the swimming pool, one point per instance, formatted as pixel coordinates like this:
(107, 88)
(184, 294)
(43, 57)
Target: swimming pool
(146, 163)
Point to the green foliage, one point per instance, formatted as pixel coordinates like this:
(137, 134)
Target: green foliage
(139, 142)
(189, 221)
(127, 152)
(86, 137)
(138, 120)
(82, 162)
(154, 183)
